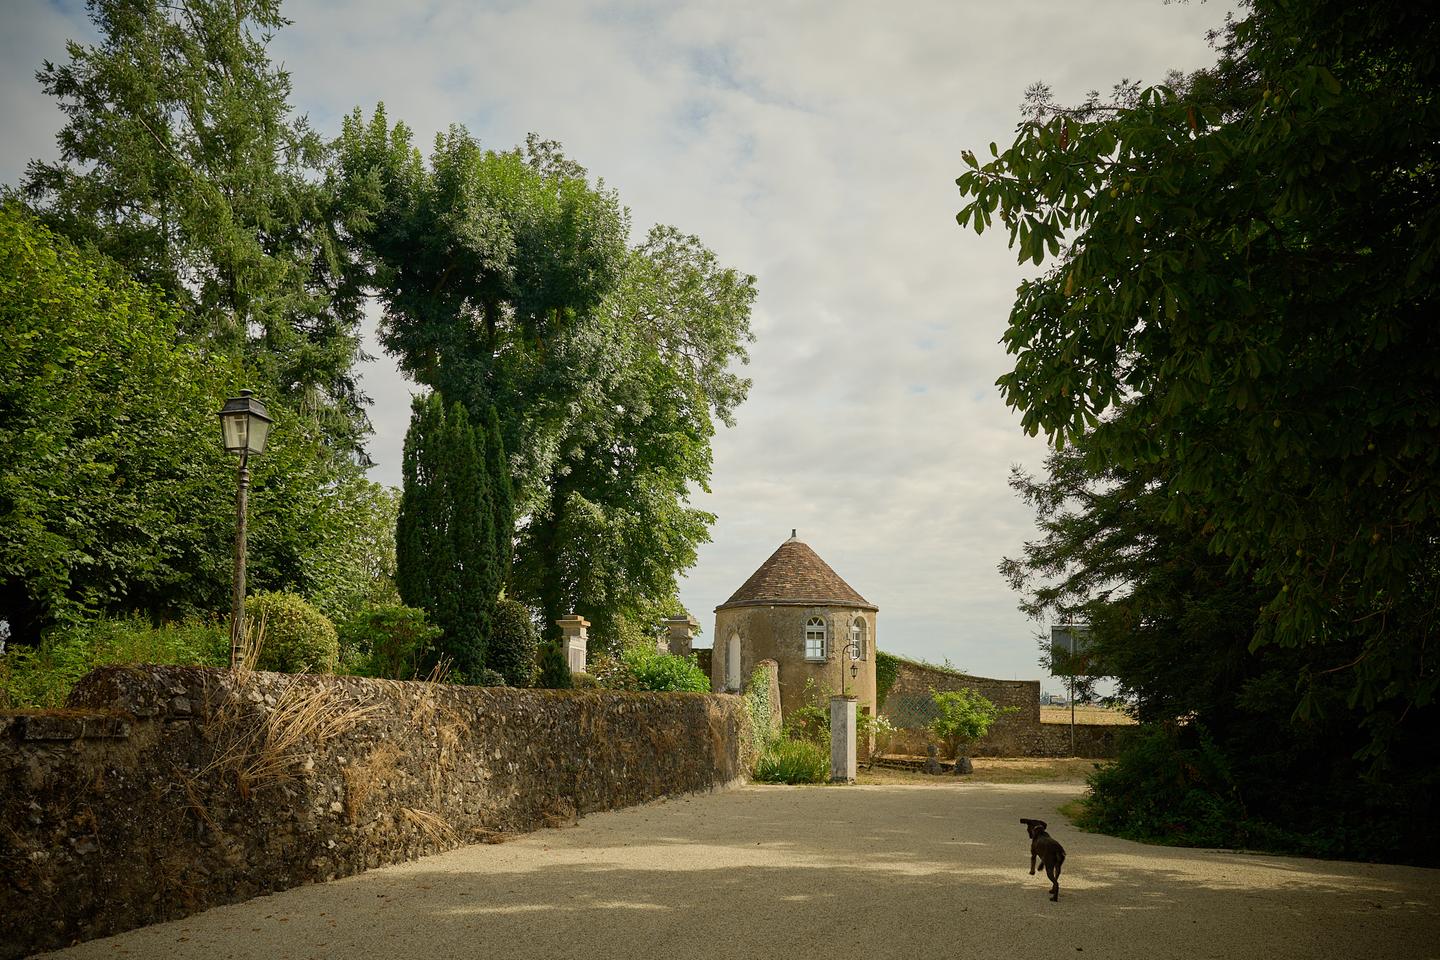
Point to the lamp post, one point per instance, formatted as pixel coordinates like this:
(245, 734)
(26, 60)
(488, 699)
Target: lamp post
(244, 426)
(853, 649)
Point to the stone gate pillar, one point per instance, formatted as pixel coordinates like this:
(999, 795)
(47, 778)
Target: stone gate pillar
(842, 739)
(680, 632)
(576, 640)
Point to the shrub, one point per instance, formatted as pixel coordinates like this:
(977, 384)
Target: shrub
(642, 667)
(878, 727)
(298, 638)
(658, 671)
(965, 716)
(811, 720)
(489, 678)
(554, 673)
(584, 681)
(391, 641)
(42, 676)
(513, 643)
(793, 761)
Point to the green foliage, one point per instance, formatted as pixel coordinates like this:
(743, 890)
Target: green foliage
(514, 642)
(353, 566)
(507, 284)
(115, 494)
(811, 720)
(554, 669)
(585, 681)
(181, 160)
(490, 678)
(1236, 343)
(654, 670)
(1176, 785)
(887, 671)
(965, 716)
(1243, 272)
(793, 761)
(445, 537)
(297, 637)
(43, 675)
(390, 641)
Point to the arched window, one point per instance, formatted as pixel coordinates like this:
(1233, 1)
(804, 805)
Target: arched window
(815, 639)
(732, 663)
(857, 640)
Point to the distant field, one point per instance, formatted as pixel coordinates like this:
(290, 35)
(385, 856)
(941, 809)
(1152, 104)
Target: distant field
(1083, 714)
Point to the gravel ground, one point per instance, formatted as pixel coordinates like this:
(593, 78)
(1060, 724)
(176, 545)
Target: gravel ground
(862, 871)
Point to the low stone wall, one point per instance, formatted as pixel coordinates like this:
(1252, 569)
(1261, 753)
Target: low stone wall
(163, 791)
(1017, 734)
(1099, 741)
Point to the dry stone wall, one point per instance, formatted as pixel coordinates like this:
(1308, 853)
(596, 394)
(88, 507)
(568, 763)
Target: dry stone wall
(162, 791)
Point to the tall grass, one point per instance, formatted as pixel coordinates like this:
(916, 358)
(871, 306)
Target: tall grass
(42, 676)
(793, 761)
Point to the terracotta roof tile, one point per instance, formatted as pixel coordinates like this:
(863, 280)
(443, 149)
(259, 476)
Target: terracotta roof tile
(796, 576)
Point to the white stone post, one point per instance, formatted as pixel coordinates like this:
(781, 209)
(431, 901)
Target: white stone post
(680, 631)
(842, 739)
(574, 628)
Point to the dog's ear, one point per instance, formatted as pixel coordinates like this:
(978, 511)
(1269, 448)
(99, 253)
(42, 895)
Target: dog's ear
(1026, 821)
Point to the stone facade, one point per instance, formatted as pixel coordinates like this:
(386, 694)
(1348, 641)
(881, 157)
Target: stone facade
(163, 791)
(778, 633)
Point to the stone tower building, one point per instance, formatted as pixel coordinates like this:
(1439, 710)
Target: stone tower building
(797, 611)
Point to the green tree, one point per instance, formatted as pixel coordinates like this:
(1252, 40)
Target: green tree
(617, 527)
(1221, 757)
(181, 160)
(507, 284)
(964, 717)
(1245, 259)
(115, 495)
(486, 263)
(445, 540)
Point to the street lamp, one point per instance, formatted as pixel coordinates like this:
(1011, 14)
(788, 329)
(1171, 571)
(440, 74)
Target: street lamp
(245, 426)
(853, 649)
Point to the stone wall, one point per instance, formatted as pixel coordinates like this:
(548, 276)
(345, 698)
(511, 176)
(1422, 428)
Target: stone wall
(1018, 734)
(163, 791)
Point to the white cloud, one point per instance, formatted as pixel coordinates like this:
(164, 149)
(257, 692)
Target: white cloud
(815, 145)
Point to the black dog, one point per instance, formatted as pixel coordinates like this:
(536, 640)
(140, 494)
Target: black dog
(1051, 854)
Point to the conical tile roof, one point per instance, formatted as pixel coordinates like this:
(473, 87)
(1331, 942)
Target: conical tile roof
(796, 576)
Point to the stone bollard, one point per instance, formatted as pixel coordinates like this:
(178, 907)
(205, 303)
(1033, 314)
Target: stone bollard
(932, 762)
(842, 739)
(576, 641)
(679, 633)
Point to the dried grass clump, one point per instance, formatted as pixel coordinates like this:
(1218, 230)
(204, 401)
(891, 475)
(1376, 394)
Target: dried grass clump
(432, 827)
(262, 747)
(363, 776)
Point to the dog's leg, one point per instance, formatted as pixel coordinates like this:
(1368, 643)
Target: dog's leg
(1032, 863)
(1054, 874)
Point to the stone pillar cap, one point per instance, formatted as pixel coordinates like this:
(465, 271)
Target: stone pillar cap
(574, 619)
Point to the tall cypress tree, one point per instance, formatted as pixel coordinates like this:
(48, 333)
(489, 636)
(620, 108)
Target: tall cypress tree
(502, 497)
(445, 541)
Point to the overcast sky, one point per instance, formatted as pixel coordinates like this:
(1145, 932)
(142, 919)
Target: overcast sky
(814, 145)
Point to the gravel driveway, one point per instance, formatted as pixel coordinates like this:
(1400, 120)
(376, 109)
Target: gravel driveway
(861, 871)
